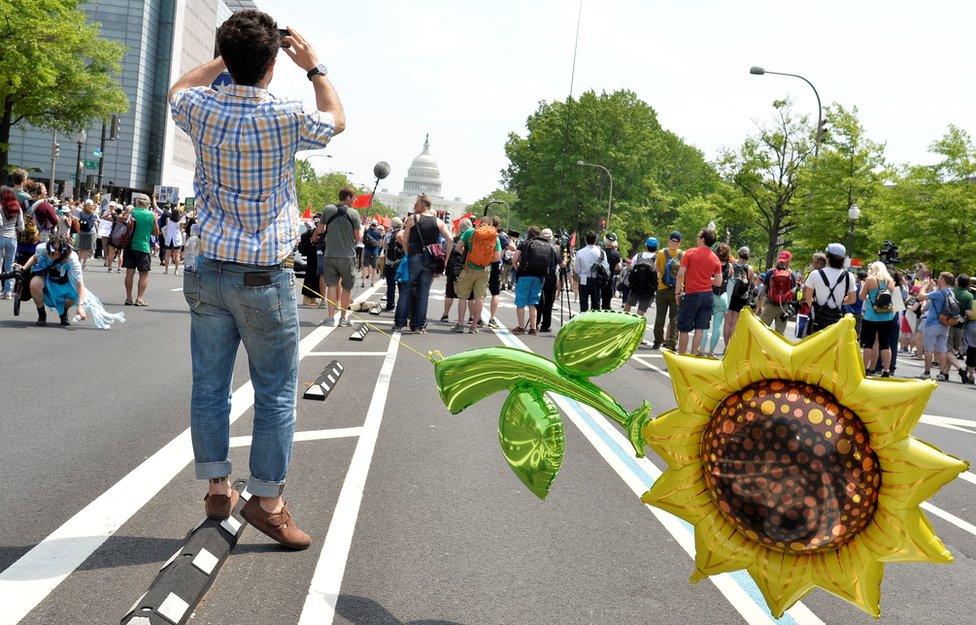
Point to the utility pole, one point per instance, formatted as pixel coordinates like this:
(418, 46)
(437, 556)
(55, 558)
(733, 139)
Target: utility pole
(101, 159)
(55, 153)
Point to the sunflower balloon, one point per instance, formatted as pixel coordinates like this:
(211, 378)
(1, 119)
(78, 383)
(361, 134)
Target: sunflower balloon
(793, 465)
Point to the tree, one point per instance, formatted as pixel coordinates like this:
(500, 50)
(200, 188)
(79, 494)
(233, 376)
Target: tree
(511, 219)
(849, 171)
(930, 210)
(56, 72)
(653, 169)
(767, 170)
(317, 191)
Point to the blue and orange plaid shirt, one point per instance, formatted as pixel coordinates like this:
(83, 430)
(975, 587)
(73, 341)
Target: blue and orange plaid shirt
(245, 141)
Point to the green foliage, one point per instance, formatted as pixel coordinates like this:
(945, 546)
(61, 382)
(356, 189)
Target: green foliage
(930, 210)
(318, 191)
(56, 72)
(653, 170)
(850, 170)
(767, 170)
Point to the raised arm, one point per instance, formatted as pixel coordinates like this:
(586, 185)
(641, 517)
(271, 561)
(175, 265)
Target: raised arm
(326, 98)
(202, 76)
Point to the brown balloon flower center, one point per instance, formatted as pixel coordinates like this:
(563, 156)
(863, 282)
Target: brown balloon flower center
(790, 466)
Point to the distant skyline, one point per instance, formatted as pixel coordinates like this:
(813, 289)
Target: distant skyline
(470, 73)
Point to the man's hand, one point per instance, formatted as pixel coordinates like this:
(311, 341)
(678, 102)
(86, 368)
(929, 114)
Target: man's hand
(300, 51)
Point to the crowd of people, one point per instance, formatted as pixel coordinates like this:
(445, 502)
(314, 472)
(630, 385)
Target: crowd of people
(98, 228)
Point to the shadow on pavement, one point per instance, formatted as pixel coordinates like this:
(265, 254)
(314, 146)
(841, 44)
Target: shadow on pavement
(365, 611)
(116, 551)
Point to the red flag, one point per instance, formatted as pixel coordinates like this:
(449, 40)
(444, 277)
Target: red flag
(308, 211)
(384, 221)
(362, 201)
(457, 222)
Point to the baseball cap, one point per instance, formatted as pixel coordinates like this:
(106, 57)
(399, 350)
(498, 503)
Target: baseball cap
(89, 202)
(675, 236)
(546, 233)
(744, 251)
(610, 236)
(396, 222)
(64, 210)
(785, 256)
(836, 249)
(651, 242)
(373, 222)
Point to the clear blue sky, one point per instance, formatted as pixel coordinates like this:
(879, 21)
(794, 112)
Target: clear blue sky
(471, 72)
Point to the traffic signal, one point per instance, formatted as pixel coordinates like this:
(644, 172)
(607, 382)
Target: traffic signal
(821, 130)
(114, 132)
(55, 151)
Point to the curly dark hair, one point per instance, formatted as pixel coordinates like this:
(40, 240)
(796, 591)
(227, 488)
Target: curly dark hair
(248, 43)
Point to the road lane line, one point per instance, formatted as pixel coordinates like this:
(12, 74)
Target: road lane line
(343, 354)
(641, 360)
(639, 474)
(323, 591)
(968, 476)
(950, 423)
(26, 582)
(951, 518)
(177, 290)
(308, 435)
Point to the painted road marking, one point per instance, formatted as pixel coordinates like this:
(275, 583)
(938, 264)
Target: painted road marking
(639, 474)
(310, 435)
(176, 290)
(323, 591)
(950, 423)
(968, 476)
(343, 354)
(641, 360)
(26, 582)
(951, 518)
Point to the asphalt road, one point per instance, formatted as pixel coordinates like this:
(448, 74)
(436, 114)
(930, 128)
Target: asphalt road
(415, 515)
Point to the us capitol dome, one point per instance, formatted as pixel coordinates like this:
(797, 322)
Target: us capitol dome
(423, 176)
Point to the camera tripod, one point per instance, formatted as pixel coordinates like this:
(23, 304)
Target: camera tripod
(564, 292)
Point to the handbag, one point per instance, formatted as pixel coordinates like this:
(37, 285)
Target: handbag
(435, 250)
(403, 272)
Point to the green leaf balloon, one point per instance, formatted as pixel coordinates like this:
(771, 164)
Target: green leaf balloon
(584, 348)
(530, 432)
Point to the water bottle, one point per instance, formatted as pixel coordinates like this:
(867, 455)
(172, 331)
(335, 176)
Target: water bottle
(191, 250)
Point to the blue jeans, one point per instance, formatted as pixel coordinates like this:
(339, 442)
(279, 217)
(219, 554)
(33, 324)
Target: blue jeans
(8, 249)
(389, 272)
(224, 311)
(421, 275)
(720, 306)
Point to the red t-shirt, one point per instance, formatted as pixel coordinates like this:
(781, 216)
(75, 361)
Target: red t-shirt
(700, 265)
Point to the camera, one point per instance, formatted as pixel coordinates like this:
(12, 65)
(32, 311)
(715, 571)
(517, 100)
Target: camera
(888, 254)
(21, 279)
(789, 311)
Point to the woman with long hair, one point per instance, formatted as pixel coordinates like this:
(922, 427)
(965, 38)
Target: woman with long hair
(720, 302)
(878, 313)
(11, 222)
(740, 290)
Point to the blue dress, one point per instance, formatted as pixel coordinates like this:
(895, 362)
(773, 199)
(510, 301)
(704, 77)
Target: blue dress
(60, 279)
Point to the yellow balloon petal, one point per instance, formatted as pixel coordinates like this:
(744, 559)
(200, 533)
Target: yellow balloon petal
(783, 578)
(681, 492)
(852, 573)
(830, 358)
(699, 383)
(676, 436)
(913, 471)
(755, 353)
(890, 409)
(903, 536)
(720, 548)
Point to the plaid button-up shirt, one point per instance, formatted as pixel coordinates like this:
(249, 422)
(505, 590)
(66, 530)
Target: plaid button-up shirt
(245, 141)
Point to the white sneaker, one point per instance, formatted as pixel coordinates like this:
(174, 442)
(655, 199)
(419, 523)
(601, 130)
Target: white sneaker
(344, 322)
(329, 322)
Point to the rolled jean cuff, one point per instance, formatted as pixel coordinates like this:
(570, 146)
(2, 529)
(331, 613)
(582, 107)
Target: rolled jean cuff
(265, 489)
(212, 470)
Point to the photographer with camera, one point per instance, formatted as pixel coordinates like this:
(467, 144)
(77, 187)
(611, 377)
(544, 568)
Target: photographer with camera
(240, 289)
(828, 290)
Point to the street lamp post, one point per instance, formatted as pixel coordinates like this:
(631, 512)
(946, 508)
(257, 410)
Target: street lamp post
(492, 203)
(55, 153)
(853, 213)
(759, 71)
(80, 139)
(610, 176)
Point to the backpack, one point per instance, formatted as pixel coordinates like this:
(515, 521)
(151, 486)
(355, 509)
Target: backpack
(455, 262)
(882, 301)
(30, 235)
(87, 222)
(643, 277)
(394, 251)
(739, 284)
(482, 245)
(599, 277)
(823, 314)
(122, 231)
(950, 312)
(671, 267)
(342, 211)
(535, 258)
(781, 285)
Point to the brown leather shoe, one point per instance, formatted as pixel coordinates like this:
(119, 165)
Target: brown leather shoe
(279, 527)
(219, 507)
